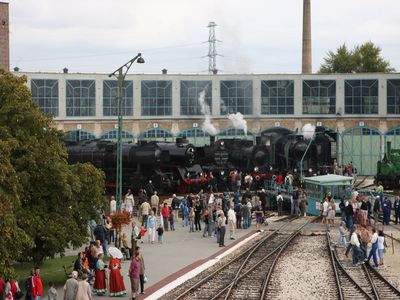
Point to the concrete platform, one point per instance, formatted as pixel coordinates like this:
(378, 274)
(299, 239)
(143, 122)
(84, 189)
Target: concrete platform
(181, 251)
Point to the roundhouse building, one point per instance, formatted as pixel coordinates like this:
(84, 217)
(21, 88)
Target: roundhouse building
(364, 109)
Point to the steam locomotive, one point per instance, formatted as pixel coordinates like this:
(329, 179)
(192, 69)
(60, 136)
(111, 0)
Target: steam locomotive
(183, 167)
(388, 169)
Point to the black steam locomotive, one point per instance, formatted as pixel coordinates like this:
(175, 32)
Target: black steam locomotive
(182, 167)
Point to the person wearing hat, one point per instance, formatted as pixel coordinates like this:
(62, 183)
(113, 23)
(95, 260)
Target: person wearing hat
(71, 286)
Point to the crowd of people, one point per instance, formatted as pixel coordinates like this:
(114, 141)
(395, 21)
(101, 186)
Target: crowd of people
(360, 220)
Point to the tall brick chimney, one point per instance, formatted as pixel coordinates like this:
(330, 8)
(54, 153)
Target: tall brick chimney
(4, 37)
(306, 57)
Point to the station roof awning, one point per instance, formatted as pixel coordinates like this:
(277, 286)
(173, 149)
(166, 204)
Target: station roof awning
(330, 179)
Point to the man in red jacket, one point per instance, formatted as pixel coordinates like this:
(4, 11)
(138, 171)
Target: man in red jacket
(2, 287)
(36, 285)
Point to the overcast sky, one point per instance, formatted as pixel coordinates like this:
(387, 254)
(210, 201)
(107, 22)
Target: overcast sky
(258, 36)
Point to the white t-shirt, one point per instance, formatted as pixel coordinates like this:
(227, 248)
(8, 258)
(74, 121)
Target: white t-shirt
(381, 240)
(326, 205)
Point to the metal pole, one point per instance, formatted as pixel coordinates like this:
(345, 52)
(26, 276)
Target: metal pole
(120, 74)
(304, 155)
(118, 186)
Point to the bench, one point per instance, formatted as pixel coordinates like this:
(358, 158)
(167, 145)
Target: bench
(68, 269)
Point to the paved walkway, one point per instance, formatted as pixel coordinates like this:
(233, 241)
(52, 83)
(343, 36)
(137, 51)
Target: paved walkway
(180, 248)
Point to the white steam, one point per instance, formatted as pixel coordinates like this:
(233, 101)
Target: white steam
(308, 131)
(207, 126)
(238, 121)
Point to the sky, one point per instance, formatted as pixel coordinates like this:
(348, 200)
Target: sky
(257, 36)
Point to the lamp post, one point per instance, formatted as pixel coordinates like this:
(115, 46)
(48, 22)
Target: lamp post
(120, 75)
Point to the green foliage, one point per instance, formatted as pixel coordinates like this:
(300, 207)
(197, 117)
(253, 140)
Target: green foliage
(47, 203)
(365, 58)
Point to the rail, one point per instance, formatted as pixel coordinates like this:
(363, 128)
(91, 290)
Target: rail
(247, 253)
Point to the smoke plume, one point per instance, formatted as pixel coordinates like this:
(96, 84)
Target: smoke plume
(207, 126)
(308, 131)
(238, 121)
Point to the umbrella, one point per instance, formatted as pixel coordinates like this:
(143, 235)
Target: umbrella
(115, 252)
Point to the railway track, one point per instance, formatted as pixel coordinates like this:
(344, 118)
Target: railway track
(210, 286)
(361, 282)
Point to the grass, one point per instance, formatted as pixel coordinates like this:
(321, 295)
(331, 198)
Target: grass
(51, 270)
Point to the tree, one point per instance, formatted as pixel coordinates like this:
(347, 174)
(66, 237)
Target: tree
(365, 58)
(49, 202)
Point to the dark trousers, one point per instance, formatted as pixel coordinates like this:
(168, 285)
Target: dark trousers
(197, 222)
(280, 203)
(144, 220)
(165, 219)
(141, 277)
(222, 236)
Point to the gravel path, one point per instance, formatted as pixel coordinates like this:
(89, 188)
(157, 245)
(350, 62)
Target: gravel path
(304, 271)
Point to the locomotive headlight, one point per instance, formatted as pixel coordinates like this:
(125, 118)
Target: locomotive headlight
(255, 169)
(270, 168)
(310, 170)
(295, 170)
(201, 174)
(222, 173)
(222, 143)
(187, 175)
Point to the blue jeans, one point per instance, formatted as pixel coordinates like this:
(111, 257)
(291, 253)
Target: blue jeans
(185, 221)
(206, 230)
(144, 220)
(372, 253)
(218, 235)
(211, 229)
(191, 226)
(350, 222)
(171, 226)
(37, 297)
(342, 240)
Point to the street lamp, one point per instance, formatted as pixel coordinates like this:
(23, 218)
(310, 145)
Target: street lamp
(120, 74)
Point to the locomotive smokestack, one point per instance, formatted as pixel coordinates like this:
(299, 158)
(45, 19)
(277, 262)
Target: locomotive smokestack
(306, 55)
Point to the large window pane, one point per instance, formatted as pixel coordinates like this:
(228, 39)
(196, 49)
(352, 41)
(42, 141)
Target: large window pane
(393, 96)
(45, 93)
(156, 98)
(319, 96)
(110, 98)
(361, 96)
(237, 96)
(190, 91)
(277, 97)
(81, 98)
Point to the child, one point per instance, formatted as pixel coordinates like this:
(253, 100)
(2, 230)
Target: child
(125, 248)
(191, 220)
(171, 220)
(160, 232)
(52, 292)
(381, 245)
(141, 234)
(9, 296)
(342, 237)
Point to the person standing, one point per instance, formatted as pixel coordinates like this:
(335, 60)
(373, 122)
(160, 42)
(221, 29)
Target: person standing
(144, 210)
(175, 206)
(331, 212)
(171, 219)
(191, 220)
(134, 272)
(129, 202)
(165, 215)
(381, 246)
(142, 270)
(376, 210)
(279, 202)
(36, 286)
(232, 222)
(152, 226)
(355, 245)
(263, 198)
(296, 196)
(71, 287)
(83, 291)
(303, 204)
(12, 288)
(113, 206)
(374, 248)
(259, 216)
(134, 236)
(116, 282)
(342, 235)
(2, 287)
(396, 206)
(325, 209)
(197, 214)
(52, 292)
(99, 286)
(387, 205)
(100, 234)
(155, 201)
(221, 227)
(160, 233)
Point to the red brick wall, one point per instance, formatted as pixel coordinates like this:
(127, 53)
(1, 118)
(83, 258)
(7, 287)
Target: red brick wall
(4, 37)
